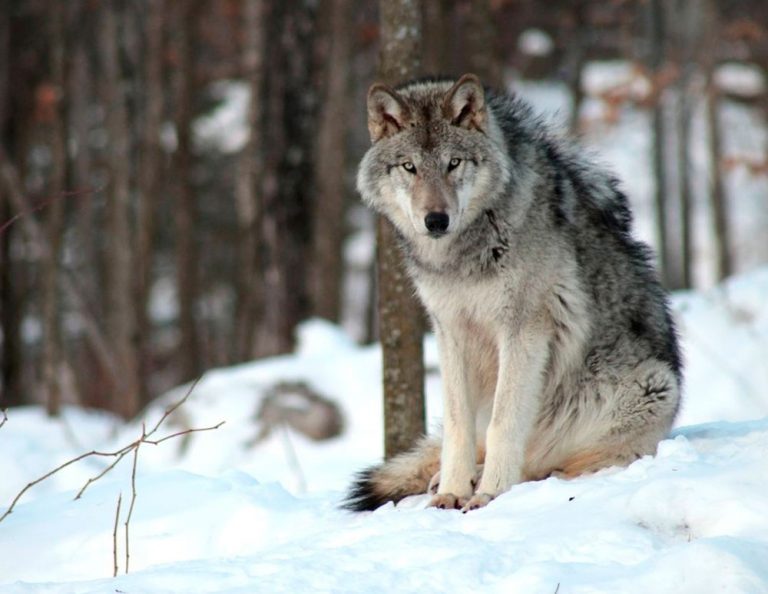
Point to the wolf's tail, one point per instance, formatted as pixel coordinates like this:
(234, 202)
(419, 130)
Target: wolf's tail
(406, 474)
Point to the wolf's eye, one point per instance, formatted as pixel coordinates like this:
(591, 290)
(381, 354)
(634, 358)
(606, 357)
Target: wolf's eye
(409, 167)
(453, 163)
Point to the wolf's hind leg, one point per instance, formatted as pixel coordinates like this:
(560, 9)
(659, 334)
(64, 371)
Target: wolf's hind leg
(641, 414)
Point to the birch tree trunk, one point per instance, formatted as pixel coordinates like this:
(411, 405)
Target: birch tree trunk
(401, 324)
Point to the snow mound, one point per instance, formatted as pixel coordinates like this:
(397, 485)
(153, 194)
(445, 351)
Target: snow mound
(215, 513)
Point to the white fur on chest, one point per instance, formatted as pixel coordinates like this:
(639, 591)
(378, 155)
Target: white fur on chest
(453, 301)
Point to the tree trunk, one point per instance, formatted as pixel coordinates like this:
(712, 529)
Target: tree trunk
(107, 357)
(401, 318)
(328, 219)
(724, 262)
(150, 163)
(248, 282)
(52, 349)
(10, 304)
(655, 32)
(684, 163)
(436, 44)
(482, 44)
(185, 213)
(119, 282)
(286, 210)
(574, 60)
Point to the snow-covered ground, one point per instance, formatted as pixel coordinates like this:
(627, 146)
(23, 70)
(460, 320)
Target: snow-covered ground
(215, 515)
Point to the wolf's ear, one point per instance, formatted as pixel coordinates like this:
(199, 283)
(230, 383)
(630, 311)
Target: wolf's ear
(464, 104)
(387, 112)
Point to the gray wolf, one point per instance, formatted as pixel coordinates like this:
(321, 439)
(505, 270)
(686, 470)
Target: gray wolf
(557, 350)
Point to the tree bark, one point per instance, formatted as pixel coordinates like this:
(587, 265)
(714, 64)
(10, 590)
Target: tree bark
(655, 33)
(724, 261)
(401, 318)
(248, 282)
(10, 304)
(119, 288)
(328, 219)
(185, 213)
(482, 44)
(102, 349)
(52, 348)
(149, 173)
(291, 122)
(436, 44)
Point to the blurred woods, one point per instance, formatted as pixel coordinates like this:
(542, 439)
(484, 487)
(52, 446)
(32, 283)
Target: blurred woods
(177, 176)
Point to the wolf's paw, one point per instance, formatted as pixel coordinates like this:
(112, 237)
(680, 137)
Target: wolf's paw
(434, 482)
(477, 501)
(447, 501)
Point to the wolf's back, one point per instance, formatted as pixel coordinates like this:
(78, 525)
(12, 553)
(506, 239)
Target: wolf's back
(405, 474)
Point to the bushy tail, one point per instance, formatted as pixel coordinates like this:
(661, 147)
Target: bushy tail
(405, 474)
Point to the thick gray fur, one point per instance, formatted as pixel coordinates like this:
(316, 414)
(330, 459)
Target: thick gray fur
(557, 349)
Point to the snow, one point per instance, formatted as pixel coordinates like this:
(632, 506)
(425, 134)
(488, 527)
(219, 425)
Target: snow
(535, 42)
(745, 80)
(215, 515)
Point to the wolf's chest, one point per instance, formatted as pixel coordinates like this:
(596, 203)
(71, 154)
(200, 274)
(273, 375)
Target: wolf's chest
(449, 299)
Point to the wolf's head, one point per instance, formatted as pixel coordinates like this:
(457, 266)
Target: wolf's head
(435, 158)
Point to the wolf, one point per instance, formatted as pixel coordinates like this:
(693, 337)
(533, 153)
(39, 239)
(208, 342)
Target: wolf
(557, 349)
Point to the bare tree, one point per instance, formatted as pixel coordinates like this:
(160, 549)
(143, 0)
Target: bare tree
(10, 310)
(291, 120)
(51, 298)
(656, 54)
(149, 178)
(248, 282)
(724, 264)
(185, 211)
(121, 323)
(436, 47)
(401, 318)
(483, 57)
(328, 219)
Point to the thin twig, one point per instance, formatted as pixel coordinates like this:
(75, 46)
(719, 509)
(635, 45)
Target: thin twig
(51, 473)
(180, 433)
(130, 507)
(4, 419)
(172, 408)
(118, 454)
(114, 535)
(93, 479)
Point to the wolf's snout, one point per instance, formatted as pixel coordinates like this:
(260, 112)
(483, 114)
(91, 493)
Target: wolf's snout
(437, 222)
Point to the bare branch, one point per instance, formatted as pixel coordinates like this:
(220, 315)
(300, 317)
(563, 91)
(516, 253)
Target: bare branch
(51, 473)
(4, 419)
(180, 433)
(114, 536)
(130, 508)
(118, 455)
(169, 411)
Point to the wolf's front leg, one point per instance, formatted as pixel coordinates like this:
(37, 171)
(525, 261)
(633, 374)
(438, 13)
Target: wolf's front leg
(458, 457)
(515, 408)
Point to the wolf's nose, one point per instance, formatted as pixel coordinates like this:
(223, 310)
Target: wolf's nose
(436, 222)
